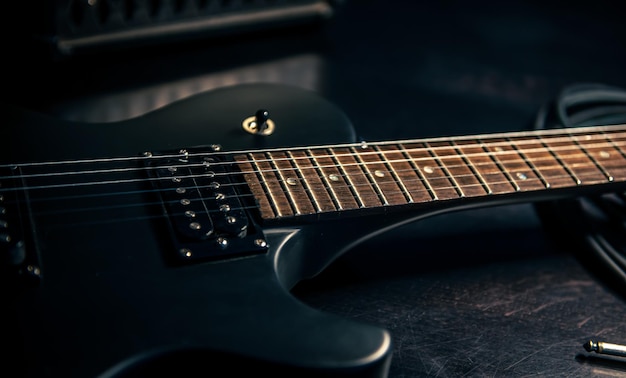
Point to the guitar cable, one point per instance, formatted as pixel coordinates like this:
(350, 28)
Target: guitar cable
(600, 220)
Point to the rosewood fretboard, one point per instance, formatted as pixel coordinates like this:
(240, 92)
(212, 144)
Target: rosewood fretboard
(324, 179)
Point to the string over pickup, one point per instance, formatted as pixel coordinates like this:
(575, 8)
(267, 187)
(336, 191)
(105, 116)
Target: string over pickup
(206, 210)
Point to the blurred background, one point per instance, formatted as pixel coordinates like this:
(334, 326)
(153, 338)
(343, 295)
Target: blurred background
(487, 292)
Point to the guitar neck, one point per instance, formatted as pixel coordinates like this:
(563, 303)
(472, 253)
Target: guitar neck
(305, 181)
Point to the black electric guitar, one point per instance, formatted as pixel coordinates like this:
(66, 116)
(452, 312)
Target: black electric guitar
(128, 252)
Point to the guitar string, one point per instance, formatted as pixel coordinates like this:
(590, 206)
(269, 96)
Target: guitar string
(543, 150)
(302, 189)
(477, 166)
(448, 148)
(556, 139)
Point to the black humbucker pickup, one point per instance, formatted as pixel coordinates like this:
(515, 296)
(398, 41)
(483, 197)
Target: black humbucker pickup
(205, 209)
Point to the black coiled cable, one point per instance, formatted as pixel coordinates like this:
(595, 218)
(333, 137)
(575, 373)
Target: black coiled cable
(599, 220)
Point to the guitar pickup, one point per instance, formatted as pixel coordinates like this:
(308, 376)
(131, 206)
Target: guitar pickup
(206, 212)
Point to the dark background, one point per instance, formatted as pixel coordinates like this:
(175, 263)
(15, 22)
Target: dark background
(487, 292)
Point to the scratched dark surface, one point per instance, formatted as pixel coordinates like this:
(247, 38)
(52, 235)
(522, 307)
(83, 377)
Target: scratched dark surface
(485, 293)
(494, 298)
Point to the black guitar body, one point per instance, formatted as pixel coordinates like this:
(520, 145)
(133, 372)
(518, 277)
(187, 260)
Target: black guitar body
(109, 300)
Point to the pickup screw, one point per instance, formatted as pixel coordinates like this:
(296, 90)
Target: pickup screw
(223, 242)
(147, 154)
(216, 147)
(34, 270)
(185, 252)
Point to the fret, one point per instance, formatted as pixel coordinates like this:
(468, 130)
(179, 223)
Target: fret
(312, 182)
(464, 178)
(339, 189)
(574, 160)
(516, 168)
(617, 140)
(604, 152)
(491, 174)
(379, 173)
(428, 167)
(543, 163)
(606, 174)
(443, 167)
(418, 172)
(363, 190)
(274, 189)
(254, 183)
(406, 175)
(291, 183)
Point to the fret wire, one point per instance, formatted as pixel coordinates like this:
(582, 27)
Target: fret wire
(329, 188)
(447, 173)
(266, 189)
(593, 160)
(349, 180)
(307, 188)
(423, 177)
(560, 161)
(394, 174)
(472, 168)
(452, 186)
(370, 176)
(512, 152)
(478, 184)
(487, 152)
(530, 163)
(501, 167)
(283, 184)
(615, 145)
(452, 166)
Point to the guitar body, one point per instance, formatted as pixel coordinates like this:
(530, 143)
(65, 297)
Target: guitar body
(107, 300)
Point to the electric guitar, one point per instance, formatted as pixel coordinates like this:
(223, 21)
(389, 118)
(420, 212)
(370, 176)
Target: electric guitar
(129, 252)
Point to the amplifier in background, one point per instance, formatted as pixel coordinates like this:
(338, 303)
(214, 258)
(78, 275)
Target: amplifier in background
(74, 26)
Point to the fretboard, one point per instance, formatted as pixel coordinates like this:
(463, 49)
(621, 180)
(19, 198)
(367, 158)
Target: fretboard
(315, 180)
